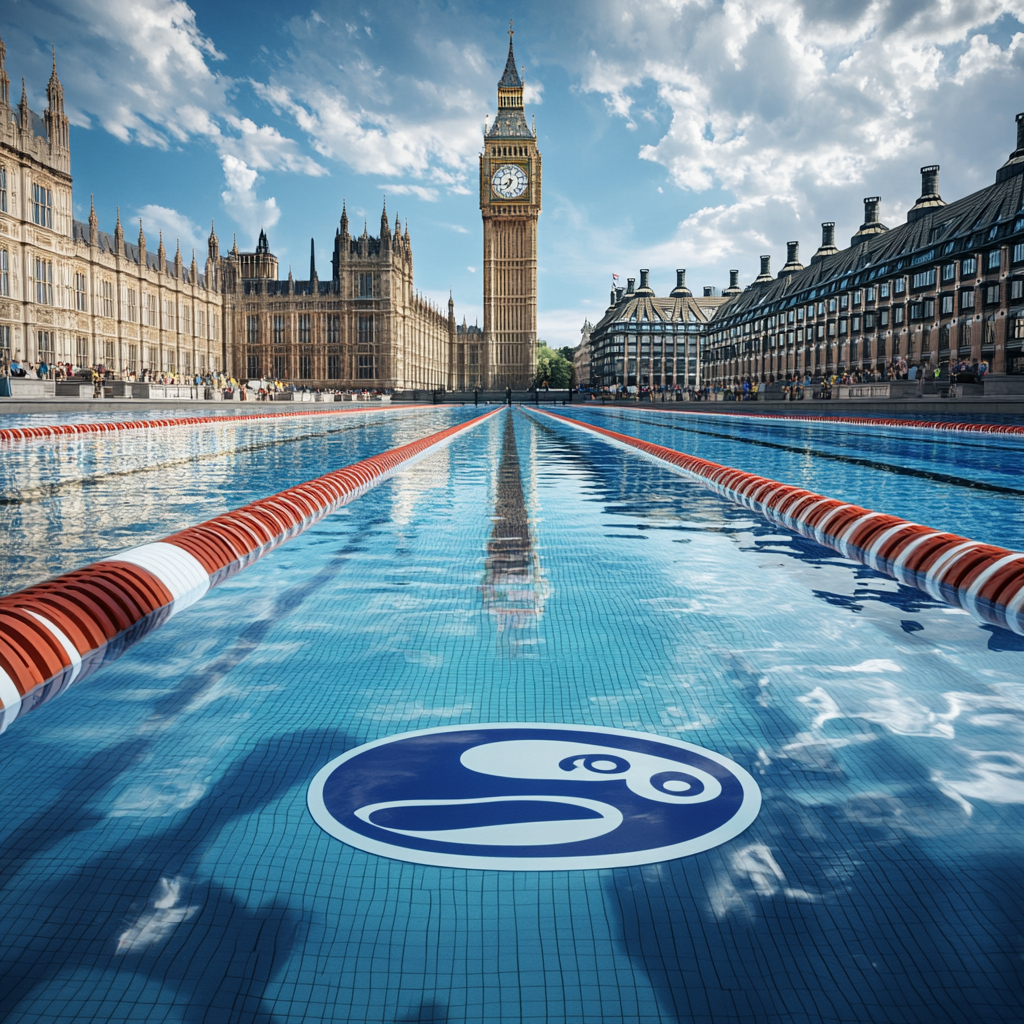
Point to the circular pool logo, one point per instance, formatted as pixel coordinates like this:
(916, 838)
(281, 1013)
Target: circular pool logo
(532, 797)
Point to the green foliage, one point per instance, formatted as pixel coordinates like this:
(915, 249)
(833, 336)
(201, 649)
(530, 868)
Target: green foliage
(554, 367)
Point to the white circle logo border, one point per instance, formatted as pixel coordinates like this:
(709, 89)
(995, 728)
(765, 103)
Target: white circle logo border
(741, 820)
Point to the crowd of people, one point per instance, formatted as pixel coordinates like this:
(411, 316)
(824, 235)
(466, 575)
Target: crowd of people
(794, 387)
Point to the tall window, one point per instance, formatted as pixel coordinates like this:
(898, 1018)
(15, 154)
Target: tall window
(967, 298)
(5, 343)
(280, 367)
(366, 368)
(80, 292)
(151, 310)
(44, 345)
(108, 354)
(278, 329)
(305, 334)
(201, 322)
(186, 319)
(333, 329)
(133, 358)
(3, 189)
(131, 305)
(107, 297)
(44, 282)
(366, 286)
(81, 351)
(5, 280)
(334, 367)
(170, 315)
(305, 366)
(994, 258)
(968, 267)
(42, 206)
(365, 335)
(252, 330)
(253, 366)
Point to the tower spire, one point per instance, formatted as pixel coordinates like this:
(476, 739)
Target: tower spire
(5, 82)
(94, 226)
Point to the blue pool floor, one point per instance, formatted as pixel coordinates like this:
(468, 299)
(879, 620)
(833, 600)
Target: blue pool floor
(159, 862)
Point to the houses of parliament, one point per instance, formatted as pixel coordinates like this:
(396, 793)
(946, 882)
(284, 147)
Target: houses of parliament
(72, 293)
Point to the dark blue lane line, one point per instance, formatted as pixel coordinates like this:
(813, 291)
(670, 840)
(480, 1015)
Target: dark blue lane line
(850, 460)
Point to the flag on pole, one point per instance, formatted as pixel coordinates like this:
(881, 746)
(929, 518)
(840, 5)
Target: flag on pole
(615, 277)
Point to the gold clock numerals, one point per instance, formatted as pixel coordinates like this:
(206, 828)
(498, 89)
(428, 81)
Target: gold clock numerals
(509, 181)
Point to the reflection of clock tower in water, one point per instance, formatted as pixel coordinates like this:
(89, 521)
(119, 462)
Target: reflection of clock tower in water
(510, 203)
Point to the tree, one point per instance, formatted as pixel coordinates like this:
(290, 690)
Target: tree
(553, 366)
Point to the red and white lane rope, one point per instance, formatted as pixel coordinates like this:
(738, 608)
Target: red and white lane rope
(56, 633)
(985, 580)
(865, 421)
(15, 434)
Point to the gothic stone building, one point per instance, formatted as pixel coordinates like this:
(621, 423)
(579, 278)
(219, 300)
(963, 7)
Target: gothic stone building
(72, 293)
(365, 326)
(948, 284)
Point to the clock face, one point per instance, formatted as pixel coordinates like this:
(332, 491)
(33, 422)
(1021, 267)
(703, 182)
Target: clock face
(509, 181)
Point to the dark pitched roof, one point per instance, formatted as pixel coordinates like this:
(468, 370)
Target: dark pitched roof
(967, 224)
(639, 308)
(105, 243)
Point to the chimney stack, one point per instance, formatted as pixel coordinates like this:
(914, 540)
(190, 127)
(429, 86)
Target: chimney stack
(872, 225)
(1015, 164)
(630, 283)
(644, 278)
(828, 241)
(766, 271)
(680, 291)
(793, 263)
(929, 199)
(734, 283)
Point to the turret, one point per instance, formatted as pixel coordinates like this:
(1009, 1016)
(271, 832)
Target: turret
(55, 118)
(118, 235)
(161, 254)
(5, 82)
(142, 245)
(193, 272)
(94, 224)
(177, 258)
(24, 114)
(213, 244)
(385, 228)
(312, 260)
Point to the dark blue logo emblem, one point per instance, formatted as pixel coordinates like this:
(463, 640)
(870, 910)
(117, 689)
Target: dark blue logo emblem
(532, 797)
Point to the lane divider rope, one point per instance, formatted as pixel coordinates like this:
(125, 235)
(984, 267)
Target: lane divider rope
(56, 633)
(985, 580)
(15, 434)
(867, 421)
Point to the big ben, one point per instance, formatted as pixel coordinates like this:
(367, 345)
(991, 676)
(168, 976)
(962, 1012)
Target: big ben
(510, 204)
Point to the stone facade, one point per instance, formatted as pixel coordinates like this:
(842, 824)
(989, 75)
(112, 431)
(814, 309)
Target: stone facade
(643, 340)
(71, 293)
(946, 285)
(510, 200)
(365, 326)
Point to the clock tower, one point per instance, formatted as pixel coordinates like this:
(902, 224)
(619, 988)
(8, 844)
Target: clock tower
(510, 205)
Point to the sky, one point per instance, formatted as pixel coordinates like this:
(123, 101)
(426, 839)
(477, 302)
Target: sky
(691, 134)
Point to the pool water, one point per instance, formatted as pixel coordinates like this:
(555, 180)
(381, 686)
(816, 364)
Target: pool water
(159, 859)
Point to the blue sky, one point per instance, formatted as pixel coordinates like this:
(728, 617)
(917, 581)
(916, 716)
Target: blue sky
(675, 133)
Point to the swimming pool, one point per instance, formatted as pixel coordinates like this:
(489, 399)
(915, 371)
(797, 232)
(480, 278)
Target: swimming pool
(160, 860)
